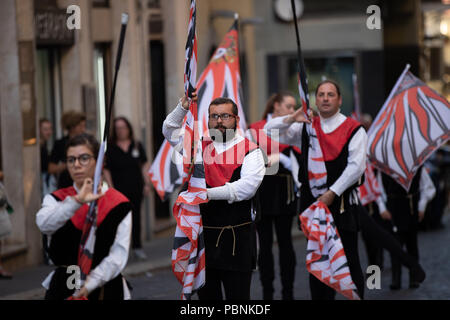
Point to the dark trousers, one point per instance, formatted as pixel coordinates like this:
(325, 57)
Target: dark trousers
(406, 238)
(235, 283)
(320, 291)
(287, 261)
(378, 237)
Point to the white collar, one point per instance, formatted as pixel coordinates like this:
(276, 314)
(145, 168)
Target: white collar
(331, 123)
(222, 146)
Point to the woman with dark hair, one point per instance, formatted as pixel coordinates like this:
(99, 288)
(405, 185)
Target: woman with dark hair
(62, 218)
(278, 201)
(126, 170)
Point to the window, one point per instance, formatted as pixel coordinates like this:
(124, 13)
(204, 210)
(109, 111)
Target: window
(100, 3)
(284, 75)
(48, 88)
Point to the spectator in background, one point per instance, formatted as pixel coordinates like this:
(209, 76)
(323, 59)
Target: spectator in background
(45, 134)
(126, 168)
(48, 181)
(75, 123)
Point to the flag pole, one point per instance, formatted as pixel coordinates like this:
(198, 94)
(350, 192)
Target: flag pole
(394, 89)
(116, 71)
(301, 62)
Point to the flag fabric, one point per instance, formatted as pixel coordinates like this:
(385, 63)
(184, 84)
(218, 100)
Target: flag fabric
(370, 190)
(325, 257)
(166, 170)
(411, 125)
(188, 253)
(221, 78)
(190, 68)
(322, 267)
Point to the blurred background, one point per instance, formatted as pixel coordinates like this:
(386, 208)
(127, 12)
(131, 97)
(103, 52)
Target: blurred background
(47, 69)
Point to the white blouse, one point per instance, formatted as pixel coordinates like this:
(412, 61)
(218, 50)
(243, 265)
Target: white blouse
(54, 214)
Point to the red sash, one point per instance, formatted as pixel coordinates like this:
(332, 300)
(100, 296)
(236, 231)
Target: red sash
(219, 168)
(105, 204)
(333, 142)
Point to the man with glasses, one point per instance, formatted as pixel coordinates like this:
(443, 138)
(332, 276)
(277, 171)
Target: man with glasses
(234, 169)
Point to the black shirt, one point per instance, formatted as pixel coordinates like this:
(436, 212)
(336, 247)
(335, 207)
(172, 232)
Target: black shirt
(126, 168)
(58, 155)
(45, 159)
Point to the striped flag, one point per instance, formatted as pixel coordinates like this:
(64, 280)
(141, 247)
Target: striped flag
(325, 256)
(413, 122)
(221, 78)
(166, 170)
(190, 68)
(188, 253)
(323, 249)
(370, 190)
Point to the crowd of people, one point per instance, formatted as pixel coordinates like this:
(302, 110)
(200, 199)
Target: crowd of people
(247, 207)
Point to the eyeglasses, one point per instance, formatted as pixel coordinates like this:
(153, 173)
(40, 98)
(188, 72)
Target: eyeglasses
(223, 116)
(83, 160)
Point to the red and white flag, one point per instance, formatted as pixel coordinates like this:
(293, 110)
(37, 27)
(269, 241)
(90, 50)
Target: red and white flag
(188, 253)
(370, 190)
(221, 78)
(413, 122)
(325, 256)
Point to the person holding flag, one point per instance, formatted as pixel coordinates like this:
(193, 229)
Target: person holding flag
(233, 169)
(343, 143)
(62, 218)
(91, 240)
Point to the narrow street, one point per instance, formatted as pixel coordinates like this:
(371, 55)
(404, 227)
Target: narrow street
(434, 257)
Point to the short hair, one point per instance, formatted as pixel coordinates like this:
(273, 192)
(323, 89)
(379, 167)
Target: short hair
(338, 89)
(84, 139)
(43, 120)
(72, 118)
(223, 100)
